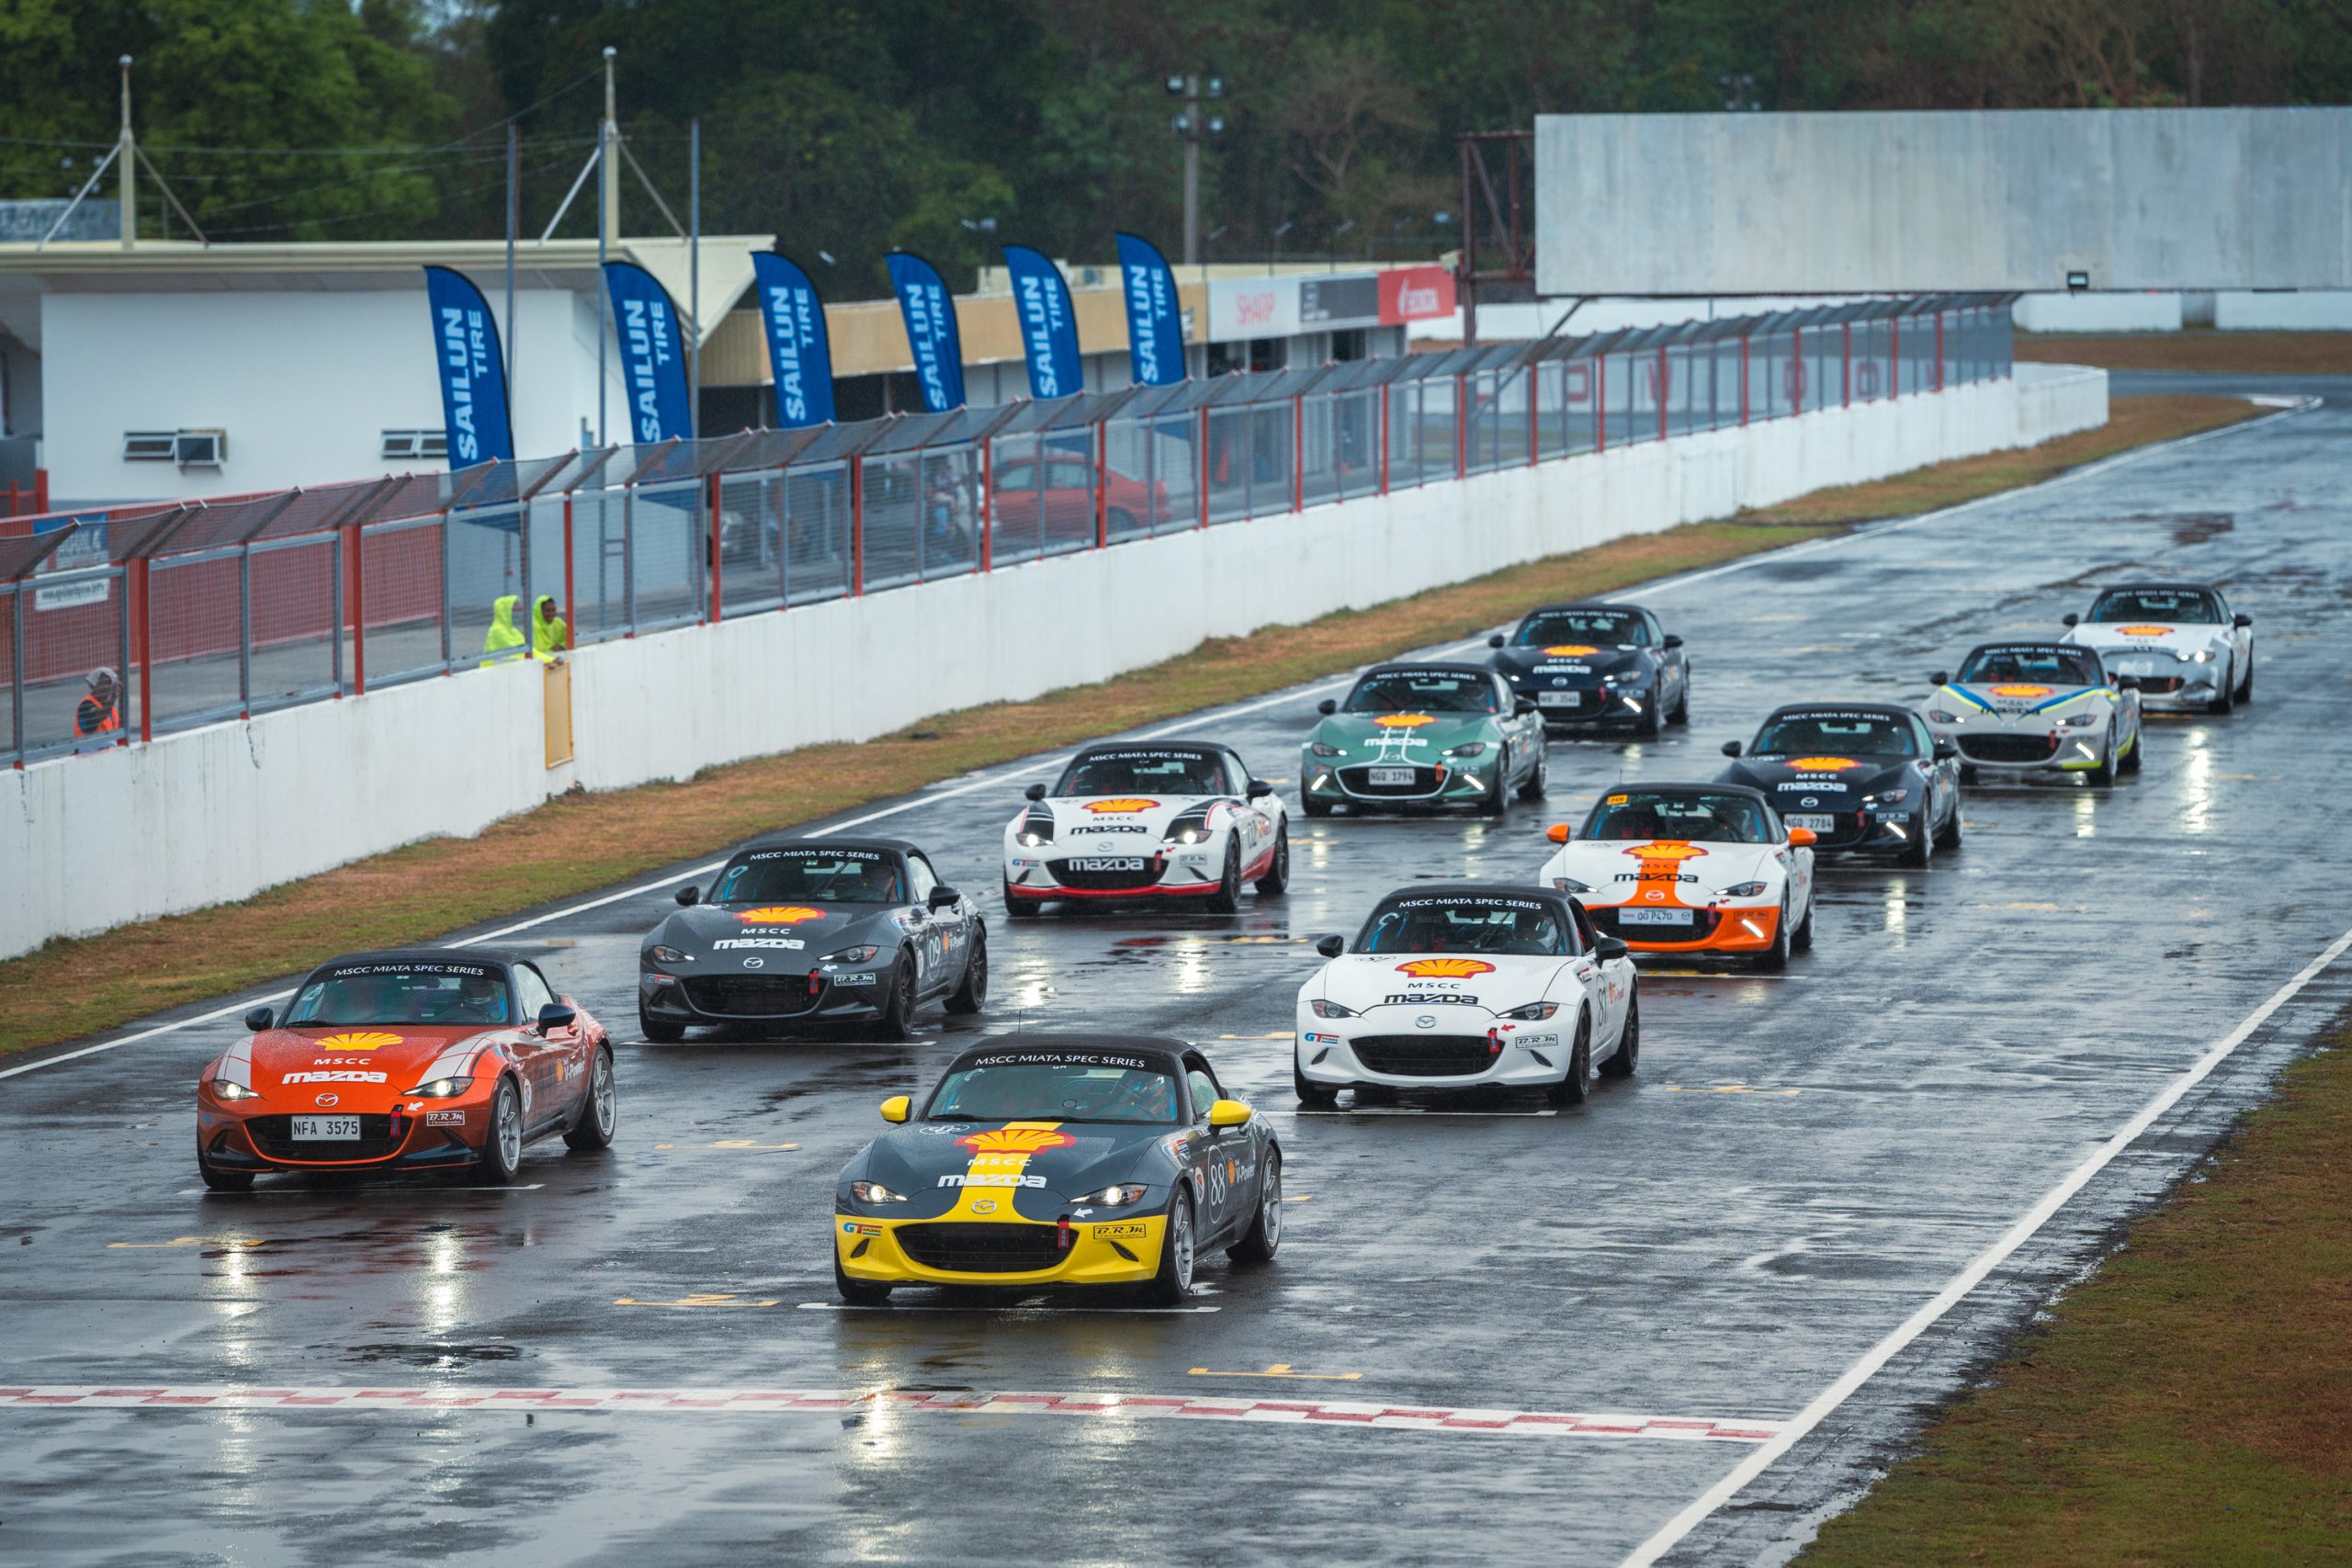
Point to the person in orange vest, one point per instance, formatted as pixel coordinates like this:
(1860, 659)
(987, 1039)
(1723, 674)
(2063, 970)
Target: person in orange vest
(100, 713)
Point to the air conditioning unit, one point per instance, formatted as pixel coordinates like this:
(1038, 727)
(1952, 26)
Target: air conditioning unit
(200, 448)
(149, 446)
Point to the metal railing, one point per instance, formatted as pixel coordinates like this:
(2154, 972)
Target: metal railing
(210, 610)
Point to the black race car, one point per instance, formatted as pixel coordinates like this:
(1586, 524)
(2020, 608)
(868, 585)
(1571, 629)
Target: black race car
(1043, 1159)
(1865, 777)
(1587, 665)
(814, 930)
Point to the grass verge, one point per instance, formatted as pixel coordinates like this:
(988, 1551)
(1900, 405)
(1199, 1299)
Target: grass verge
(2191, 1404)
(70, 989)
(2272, 354)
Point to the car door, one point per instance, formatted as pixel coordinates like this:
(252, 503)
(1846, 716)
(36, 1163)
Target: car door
(1674, 669)
(1253, 824)
(1609, 992)
(549, 1060)
(1222, 1153)
(1943, 778)
(929, 933)
(1799, 863)
(1523, 733)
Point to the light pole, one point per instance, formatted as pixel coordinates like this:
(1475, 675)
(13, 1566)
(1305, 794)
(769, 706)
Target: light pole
(1193, 127)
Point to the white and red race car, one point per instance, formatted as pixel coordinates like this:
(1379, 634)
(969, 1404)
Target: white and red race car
(1147, 819)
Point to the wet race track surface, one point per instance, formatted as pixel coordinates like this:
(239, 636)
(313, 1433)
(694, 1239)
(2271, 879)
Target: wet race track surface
(1687, 1261)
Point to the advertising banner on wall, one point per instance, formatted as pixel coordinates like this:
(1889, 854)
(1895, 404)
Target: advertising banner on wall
(1347, 302)
(85, 549)
(473, 370)
(930, 314)
(1155, 326)
(1415, 294)
(799, 353)
(653, 355)
(1049, 323)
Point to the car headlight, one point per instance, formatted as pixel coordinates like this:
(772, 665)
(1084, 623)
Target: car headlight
(443, 1088)
(874, 1192)
(1322, 1009)
(1474, 748)
(1569, 885)
(2203, 656)
(1320, 750)
(1887, 797)
(1937, 716)
(1622, 677)
(2080, 720)
(1745, 890)
(1030, 837)
(1531, 1011)
(1117, 1196)
(861, 955)
(1188, 830)
(667, 955)
(228, 1089)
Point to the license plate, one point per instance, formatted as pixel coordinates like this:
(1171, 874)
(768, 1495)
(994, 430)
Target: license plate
(1559, 699)
(1818, 824)
(338, 1128)
(1106, 863)
(1392, 775)
(1654, 917)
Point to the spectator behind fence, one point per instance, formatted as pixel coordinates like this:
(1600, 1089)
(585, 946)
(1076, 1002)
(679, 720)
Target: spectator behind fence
(550, 636)
(100, 713)
(503, 642)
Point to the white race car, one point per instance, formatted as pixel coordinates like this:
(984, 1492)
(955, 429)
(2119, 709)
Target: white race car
(1691, 868)
(2179, 640)
(2038, 707)
(1147, 819)
(1467, 985)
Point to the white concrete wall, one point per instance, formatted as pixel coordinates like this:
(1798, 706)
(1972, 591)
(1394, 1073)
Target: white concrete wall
(219, 814)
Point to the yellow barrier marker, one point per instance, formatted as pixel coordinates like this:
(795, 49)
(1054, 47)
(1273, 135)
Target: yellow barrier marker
(695, 1299)
(1281, 1369)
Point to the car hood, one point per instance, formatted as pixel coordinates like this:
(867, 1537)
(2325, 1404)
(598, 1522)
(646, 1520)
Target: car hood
(2010, 702)
(1403, 737)
(1401, 987)
(2170, 637)
(363, 1067)
(1118, 821)
(1835, 782)
(728, 936)
(1615, 868)
(1041, 1165)
(1567, 659)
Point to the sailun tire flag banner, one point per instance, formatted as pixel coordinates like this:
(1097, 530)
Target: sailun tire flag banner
(799, 353)
(1155, 320)
(473, 371)
(930, 315)
(1049, 323)
(654, 356)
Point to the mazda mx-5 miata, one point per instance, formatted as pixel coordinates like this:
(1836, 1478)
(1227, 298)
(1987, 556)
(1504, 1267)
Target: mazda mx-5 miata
(1862, 777)
(1454, 985)
(1589, 665)
(406, 1060)
(2180, 641)
(814, 931)
(1413, 735)
(1148, 819)
(1704, 868)
(1043, 1159)
(2039, 707)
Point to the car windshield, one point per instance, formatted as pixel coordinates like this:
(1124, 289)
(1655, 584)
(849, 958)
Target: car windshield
(1062, 1085)
(1699, 815)
(403, 993)
(2192, 606)
(1144, 772)
(1422, 691)
(1465, 923)
(2042, 664)
(1576, 628)
(810, 877)
(1836, 735)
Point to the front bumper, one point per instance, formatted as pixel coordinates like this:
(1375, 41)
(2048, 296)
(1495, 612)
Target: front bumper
(1096, 1252)
(1347, 781)
(2031, 751)
(770, 999)
(1193, 871)
(1732, 929)
(1862, 830)
(1385, 1046)
(1593, 708)
(262, 1141)
(2186, 687)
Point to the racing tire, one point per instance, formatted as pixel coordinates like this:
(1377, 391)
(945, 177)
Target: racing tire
(1541, 779)
(1572, 1089)
(1775, 958)
(219, 1181)
(858, 1293)
(2246, 687)
(2228, 698)
(658, 1030)
(1496, 802)
(971, 993)
(1276, 882)
(1921, 852)
(1948, 836)
(502, 1145)
(1801, 939)
(599, 1108)
(1322, 1096)
(2138, 754)
(897, 1017)
(1227, 899)
(1259, 1244)
(2103, 775)
(1628, 1055)
(1173, 1282)
(1652, 723)
(1681, 713)
(1017, 908)
(1316, 807)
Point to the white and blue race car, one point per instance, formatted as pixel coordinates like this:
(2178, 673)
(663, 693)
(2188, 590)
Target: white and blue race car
(1131, 820)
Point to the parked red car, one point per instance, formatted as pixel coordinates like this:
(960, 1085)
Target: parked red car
(1055, 496)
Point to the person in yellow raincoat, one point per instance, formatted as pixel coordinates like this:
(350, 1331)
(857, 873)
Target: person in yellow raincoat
(550, 636)
(503, 642)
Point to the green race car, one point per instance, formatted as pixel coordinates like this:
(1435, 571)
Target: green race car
(1425, 735)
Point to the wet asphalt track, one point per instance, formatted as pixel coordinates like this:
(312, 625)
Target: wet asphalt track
(1801, 1164)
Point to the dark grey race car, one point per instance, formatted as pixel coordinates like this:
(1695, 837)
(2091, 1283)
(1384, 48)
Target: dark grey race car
(814, 931)
(1590, 664)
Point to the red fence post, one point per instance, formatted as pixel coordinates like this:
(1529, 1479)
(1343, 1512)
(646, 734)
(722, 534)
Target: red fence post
(856, 527)
(717, 566)
(357, 559)
(40, 492)
(135, 603)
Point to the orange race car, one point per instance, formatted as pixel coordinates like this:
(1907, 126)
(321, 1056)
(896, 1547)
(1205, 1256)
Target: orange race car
(433, 1059)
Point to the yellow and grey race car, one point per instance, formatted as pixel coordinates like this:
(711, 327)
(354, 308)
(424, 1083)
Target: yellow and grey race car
(2038, 707)
(1060, 1160)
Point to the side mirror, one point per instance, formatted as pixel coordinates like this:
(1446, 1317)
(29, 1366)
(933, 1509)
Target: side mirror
(2068, 619)
(1731, 748)
(897, 1108)
(1229, 1113)
(1803, 837)
(2240, 621)
(1672, 641)
(1327, 707)
(2127, 682)
(1035, 792)
(1330, 946)
(1940, 678)
(1496, 640)
(1608, 947)
(944, 896)
(1557, 832)
(257, 1020)
(689, 895)
(1259, 789)
(1946, 748)
(1523, 706)
(555, 1016)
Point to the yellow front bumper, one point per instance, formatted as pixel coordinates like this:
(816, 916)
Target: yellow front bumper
(1100, 1253)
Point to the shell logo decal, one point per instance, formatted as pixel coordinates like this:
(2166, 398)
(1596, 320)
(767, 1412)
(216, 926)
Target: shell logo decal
(1822, 764)
(780, 915)
(1445, 968)
(1668, 850)
(357, 1042)
(1119, 807)
(1016, 1141)
(2024, 693)
(1571, 650)
(2143, 631)
(1403, 720)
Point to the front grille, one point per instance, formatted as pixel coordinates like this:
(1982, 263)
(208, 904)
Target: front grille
(1357, 780)
(1703, 925)
(274, 1135)
(2009, 748)
(2161, 686)
(1425, 1055)
(750, 996)
(962, 1248)
(1070, 875)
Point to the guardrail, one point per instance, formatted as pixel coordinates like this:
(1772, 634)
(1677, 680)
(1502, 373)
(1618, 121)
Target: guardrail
(202, 611)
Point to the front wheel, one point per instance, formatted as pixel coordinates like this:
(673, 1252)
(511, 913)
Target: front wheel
(219, 1181)
(1017, 908)
(2245, 688)
(1227, 899)
(1276, 882)
(972, 993)
(2103, 775)
(1950, 838)
(1496, 802)
(898, 1020)
(2137, 755)
(1173, 1282)
(1801, 939)
(2227, 697)
(1682, 711)
(858, 1293)
(1321, 1096)
(599, 1110)
(1265, 1233)
(1921, 852)
(1541, 779)
(1571, 1089)
(502, 1147)
(1775, 958)
(1316, 807)
(661, 1031)
(1629, 1043)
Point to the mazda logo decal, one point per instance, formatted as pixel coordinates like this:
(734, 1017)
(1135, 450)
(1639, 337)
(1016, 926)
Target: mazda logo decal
(1425, 1022)
(755, 962)
(1812, 800)
(325, 1101)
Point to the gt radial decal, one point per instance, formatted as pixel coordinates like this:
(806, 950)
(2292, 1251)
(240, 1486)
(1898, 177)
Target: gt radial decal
(780, 915)
(1822, 765)
(1123, 808)
(1445, 968)
(362, 1042)
(1571, 650)
(1403, 720)
(2143, 631)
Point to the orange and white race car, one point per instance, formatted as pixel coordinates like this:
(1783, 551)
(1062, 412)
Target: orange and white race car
(1691, 868)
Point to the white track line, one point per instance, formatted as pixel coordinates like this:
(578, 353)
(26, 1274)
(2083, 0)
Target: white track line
(1968, 1279)
(834, 1402)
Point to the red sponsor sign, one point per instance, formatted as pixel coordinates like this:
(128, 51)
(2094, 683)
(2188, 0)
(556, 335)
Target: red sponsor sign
(1415, 294)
